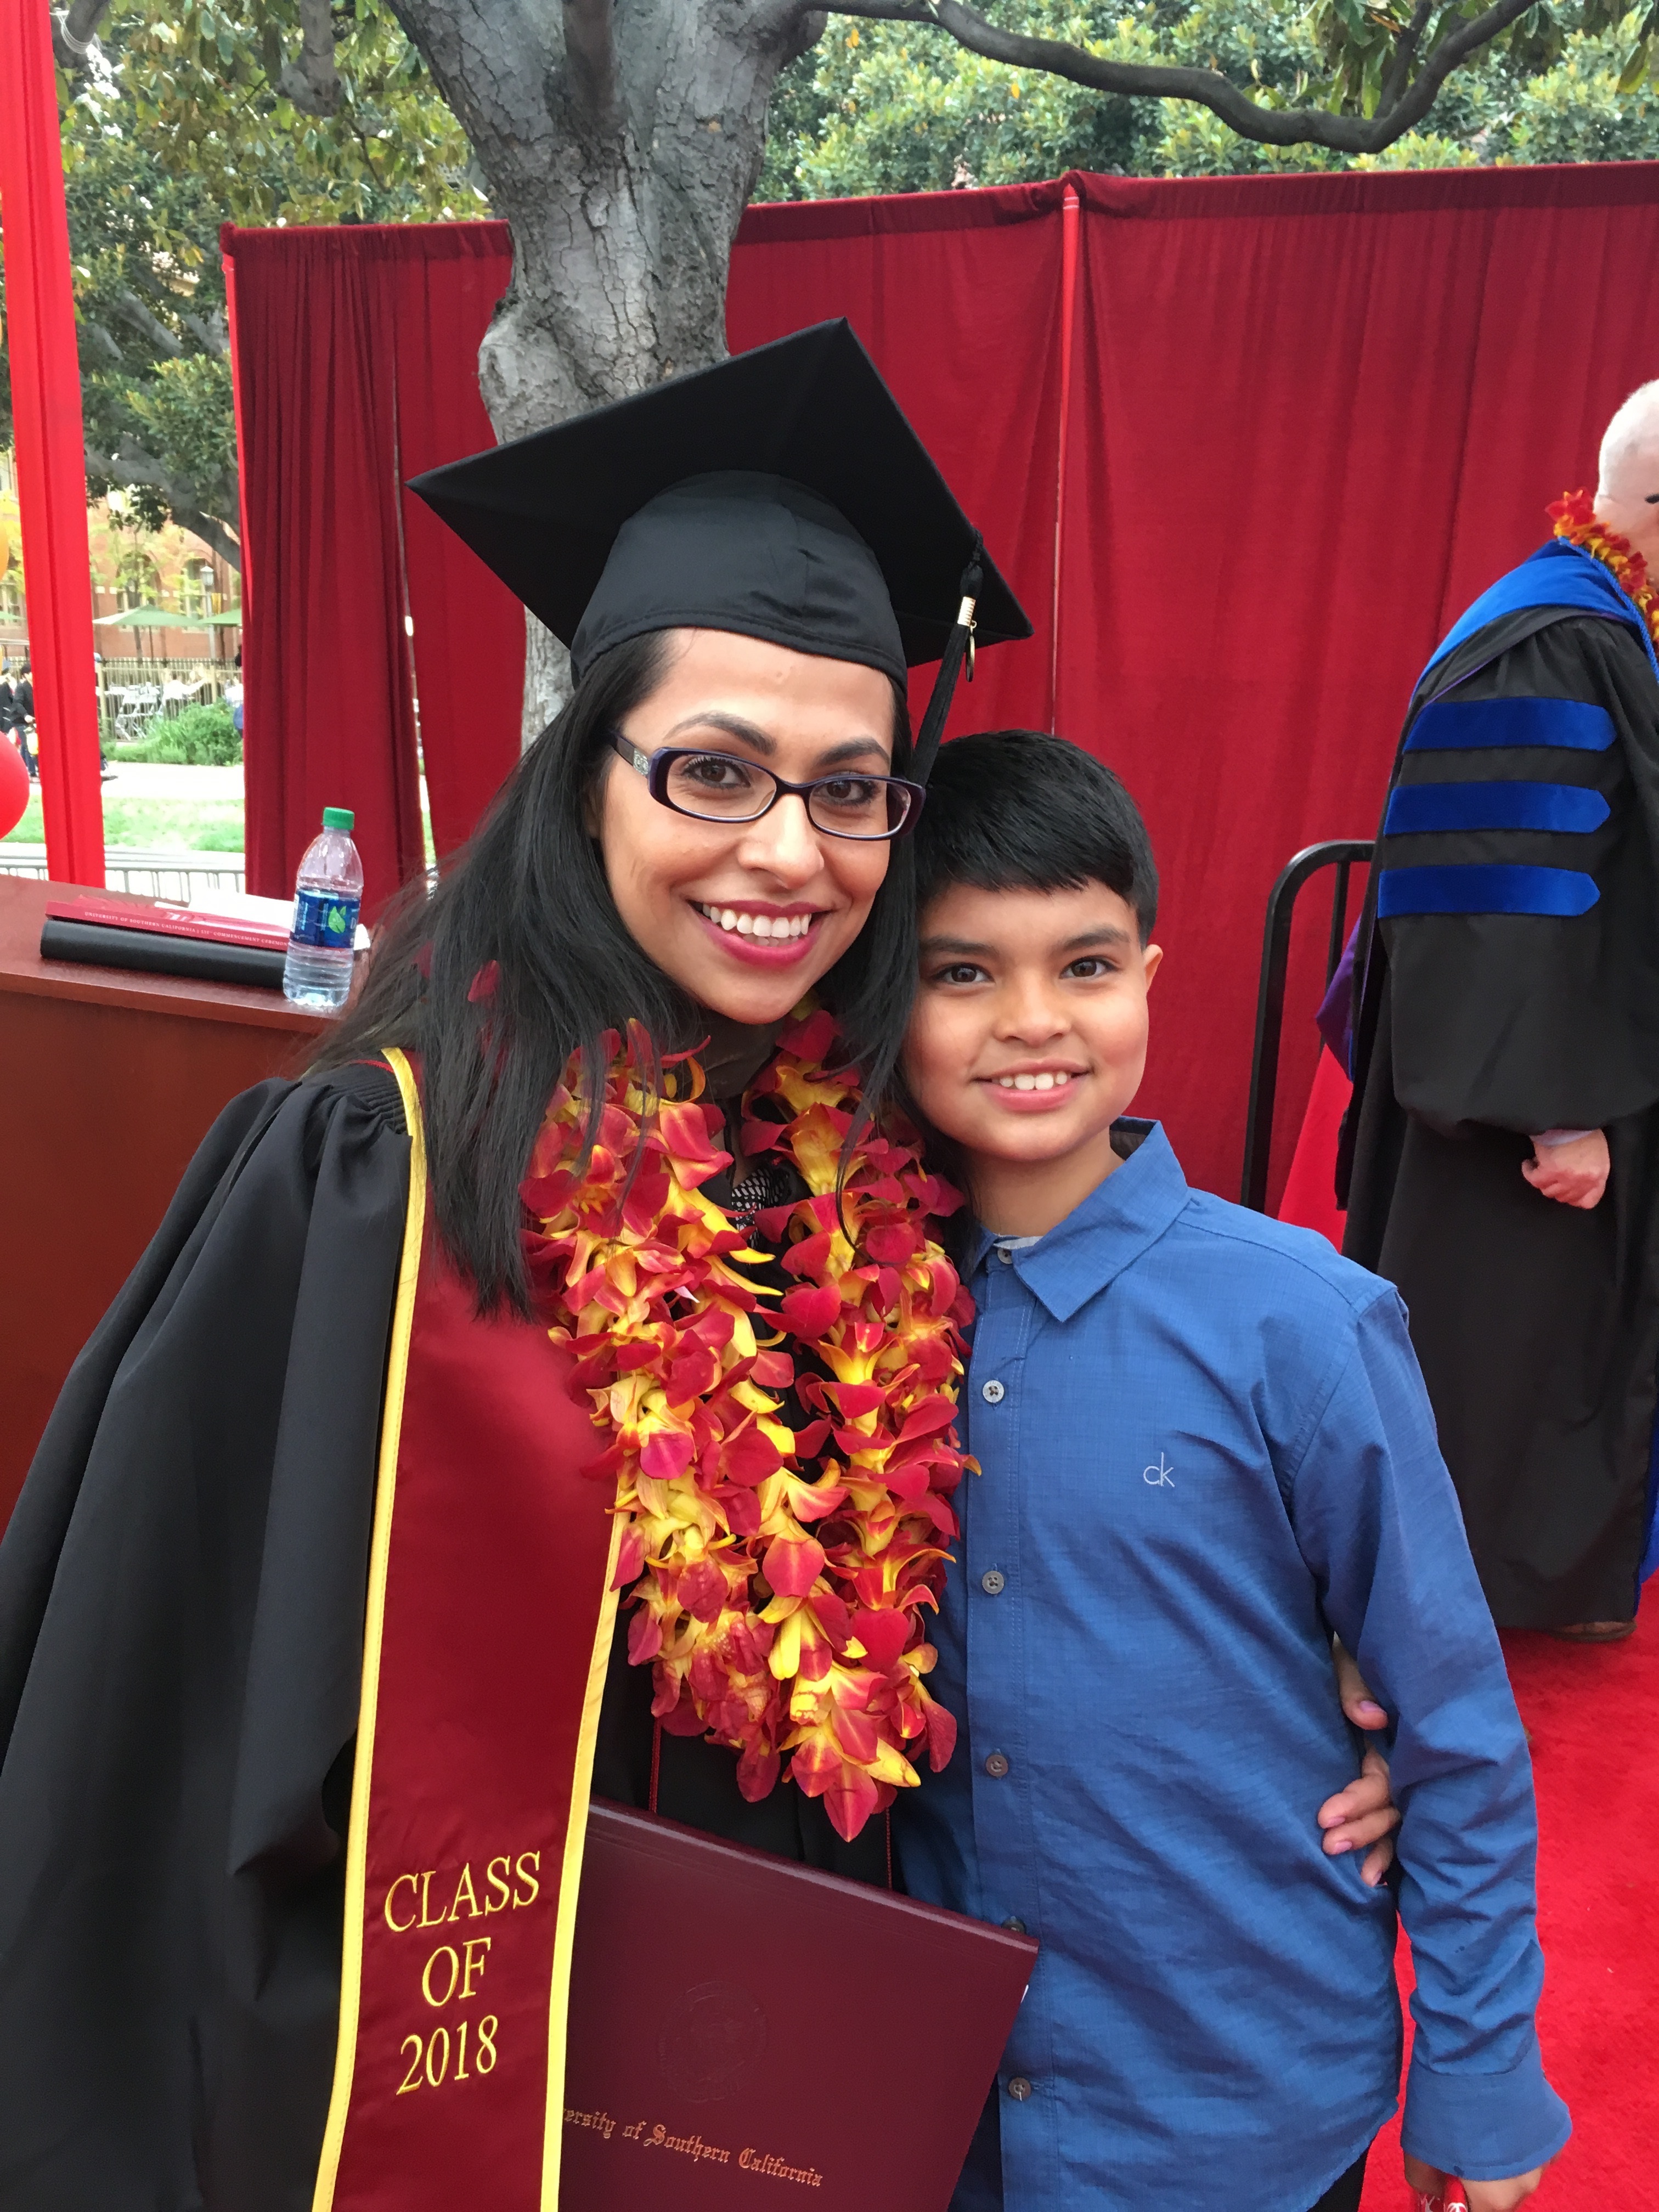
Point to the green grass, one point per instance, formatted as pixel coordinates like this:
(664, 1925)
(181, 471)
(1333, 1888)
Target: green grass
(154, 825)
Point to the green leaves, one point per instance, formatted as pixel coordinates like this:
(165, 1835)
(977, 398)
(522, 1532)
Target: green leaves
(183, 127)
(201, 83)
(906, 109)
(1640, 61)
(1636, 68)
(183, 410)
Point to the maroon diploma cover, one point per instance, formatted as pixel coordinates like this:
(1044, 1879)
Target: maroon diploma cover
(746, 2032)
(808, 2035)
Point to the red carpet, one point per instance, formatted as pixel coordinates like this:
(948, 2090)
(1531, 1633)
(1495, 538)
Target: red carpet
(1592, 1713)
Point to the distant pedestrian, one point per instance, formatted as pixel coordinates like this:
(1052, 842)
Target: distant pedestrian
(22, 713)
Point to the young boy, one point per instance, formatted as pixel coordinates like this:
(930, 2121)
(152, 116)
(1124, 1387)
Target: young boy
(1205, 1446)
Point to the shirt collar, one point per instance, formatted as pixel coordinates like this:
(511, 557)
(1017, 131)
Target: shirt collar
(1120, 1219)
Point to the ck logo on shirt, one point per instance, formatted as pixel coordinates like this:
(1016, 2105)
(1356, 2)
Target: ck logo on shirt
(1159, 1476)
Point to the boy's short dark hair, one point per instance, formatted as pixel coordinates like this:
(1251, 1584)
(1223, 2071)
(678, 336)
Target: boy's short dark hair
(1017, 809)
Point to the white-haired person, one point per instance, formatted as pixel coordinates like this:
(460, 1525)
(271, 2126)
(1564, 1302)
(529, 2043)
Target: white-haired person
(1501, 1158)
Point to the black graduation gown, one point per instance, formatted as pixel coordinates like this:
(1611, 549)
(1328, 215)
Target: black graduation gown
(1537, 1325)
(182, 1600)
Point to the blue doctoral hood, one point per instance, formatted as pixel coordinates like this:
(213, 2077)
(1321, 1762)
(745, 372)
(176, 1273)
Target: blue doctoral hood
(1558, 575)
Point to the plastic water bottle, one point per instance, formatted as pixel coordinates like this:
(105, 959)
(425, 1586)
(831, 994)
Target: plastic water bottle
(326, 896)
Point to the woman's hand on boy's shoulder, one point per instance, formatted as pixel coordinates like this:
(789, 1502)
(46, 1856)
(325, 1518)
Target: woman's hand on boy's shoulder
(1364, 1816)
(1436, 2189)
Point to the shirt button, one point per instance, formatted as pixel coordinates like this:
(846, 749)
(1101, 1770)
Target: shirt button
(997, 1765)
(1019, 2088)
(994, 1581)
(1014, 1924)
(1004, 1255)
(993, 1392)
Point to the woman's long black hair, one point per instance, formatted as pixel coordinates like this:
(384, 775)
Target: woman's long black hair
(518, 958)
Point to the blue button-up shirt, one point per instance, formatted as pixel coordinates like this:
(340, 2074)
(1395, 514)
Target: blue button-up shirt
(1206, 1444)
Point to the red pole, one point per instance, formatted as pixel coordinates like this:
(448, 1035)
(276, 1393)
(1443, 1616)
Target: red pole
(227, 263)
(1069, 211)
(51, 463)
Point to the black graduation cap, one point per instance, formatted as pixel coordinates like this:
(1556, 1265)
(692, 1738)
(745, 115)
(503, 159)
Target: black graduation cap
(781, 494)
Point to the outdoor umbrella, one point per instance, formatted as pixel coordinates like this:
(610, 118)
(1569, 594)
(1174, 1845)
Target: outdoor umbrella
(143, 618)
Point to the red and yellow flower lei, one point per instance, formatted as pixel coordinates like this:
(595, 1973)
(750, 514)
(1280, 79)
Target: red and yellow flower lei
(1574, 517)
(780, 1574)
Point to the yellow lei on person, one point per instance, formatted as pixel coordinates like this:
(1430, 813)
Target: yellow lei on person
(780, 1573)
(1574, 517)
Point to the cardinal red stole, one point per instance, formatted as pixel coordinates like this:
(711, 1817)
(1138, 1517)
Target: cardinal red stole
(488, 1629)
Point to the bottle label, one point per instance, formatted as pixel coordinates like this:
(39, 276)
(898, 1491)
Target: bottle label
(324, 918)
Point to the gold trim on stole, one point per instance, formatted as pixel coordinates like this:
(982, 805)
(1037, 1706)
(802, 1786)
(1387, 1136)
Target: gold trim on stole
(570, 1877)
(352, 1962)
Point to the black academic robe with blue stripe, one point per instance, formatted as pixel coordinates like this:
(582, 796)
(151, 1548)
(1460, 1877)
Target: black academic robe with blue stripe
(1510, 957)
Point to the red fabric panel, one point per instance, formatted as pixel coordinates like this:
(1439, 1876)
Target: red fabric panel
(1309, 1198)
(409, 306)
(330, 708)
(446, 279)
(957, 297)
(51, 475)
(1312, 417)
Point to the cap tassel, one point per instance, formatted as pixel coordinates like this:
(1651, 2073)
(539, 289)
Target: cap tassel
(958, 647)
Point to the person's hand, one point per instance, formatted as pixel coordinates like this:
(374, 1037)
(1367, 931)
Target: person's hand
(1480, 2196)
(1363, 1815)
(1351, 1687)
(1574, 1173)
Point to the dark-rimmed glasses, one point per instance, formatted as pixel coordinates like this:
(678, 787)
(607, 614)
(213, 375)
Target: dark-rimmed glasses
(722, 787)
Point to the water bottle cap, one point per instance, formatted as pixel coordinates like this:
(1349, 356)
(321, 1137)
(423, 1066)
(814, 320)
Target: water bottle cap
(338, 817)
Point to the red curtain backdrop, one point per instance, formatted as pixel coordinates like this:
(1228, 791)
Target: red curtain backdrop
(356, 361)
(468, 627)
(328, 707)
(1309, 418)
(1312, 417)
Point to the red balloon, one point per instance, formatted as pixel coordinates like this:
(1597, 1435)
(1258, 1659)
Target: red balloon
(15, 786)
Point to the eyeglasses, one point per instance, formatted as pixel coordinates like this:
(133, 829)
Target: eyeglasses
(721, 787)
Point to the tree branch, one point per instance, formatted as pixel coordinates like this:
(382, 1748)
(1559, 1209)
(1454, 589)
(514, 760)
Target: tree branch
(97, 345)
(213, 533)
(313, 82)
(137, 316)
(130, 465)
(1268, 126)
(590, 51)
(1405, 53)
(73, 31)
(800, 22)
(212, 337)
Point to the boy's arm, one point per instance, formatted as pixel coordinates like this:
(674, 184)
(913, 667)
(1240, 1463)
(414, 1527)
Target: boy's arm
(1378, 1523)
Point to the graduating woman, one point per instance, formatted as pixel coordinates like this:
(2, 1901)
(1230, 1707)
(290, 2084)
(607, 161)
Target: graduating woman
(550, 1392)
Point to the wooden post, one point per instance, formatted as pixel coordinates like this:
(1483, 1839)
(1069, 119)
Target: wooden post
(1071, 209)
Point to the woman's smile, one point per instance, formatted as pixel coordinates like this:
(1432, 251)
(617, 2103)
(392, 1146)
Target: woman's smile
(759, 936)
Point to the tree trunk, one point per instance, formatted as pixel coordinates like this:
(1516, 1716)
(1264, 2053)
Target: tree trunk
(621, 142)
